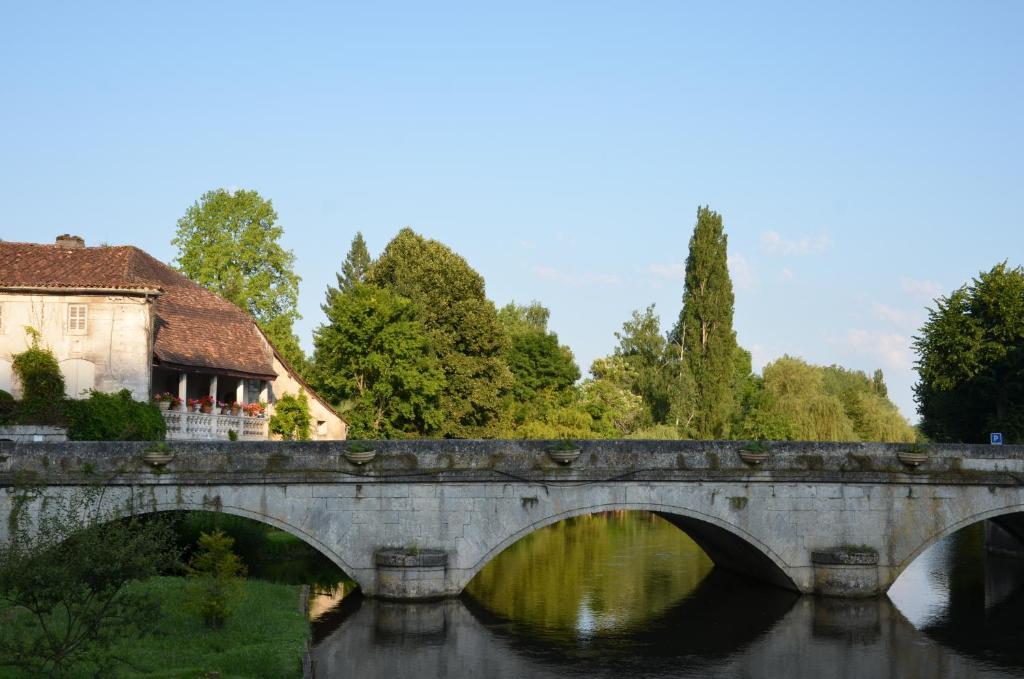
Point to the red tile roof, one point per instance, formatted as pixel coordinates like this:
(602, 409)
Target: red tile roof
(194, 327)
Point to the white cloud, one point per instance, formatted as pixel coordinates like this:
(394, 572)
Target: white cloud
(527, 244)
(891, 349)
(552, 274)
(921, 289)
(787, 273)
(900, 318)
(742, 274)
(774, 243)
(672, 272)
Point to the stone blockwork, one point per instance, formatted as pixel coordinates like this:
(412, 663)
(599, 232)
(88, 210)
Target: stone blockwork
(33, 433)
(472, 499)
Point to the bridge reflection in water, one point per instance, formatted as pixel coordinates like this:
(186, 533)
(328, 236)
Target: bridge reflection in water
(628, 594)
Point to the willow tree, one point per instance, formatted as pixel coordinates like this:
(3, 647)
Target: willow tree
(703, 336)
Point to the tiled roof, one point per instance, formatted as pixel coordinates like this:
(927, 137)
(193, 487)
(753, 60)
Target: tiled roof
(194, 327)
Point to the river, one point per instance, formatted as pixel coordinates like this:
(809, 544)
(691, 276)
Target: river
(629, 595)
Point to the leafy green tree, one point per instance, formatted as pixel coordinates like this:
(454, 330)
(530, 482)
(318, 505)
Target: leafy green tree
(113, 417)
(375, 359)
(971, 360)
(291, 418)
(64, 576)
(537, 361)
(645, 349)
(462, 325)
(228, 242)
(704, 333)
(215, 574)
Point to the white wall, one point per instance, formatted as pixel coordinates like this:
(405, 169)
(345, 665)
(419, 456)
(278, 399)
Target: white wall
(114, 353)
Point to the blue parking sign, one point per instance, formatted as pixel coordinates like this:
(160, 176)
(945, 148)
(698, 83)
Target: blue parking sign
(995, 439)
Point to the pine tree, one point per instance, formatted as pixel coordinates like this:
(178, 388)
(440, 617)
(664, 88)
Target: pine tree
(704, 334)
(353, 269)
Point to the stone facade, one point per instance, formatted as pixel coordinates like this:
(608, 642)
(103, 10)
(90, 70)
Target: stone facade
(473, 499)
(113, 351)
(33, 433)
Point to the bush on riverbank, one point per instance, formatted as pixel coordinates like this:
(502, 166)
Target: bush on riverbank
(266, 638)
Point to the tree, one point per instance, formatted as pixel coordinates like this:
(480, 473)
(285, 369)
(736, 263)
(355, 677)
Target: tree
(644, 348)
(703, 335)
(228, 242)
(291, 418)
(353, 269)
(462, 324)
(215, 573)
(971, 360)
(63, 581)
(375, 359)
(537, 361)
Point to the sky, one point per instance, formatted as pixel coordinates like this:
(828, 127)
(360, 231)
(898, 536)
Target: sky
(866, 157)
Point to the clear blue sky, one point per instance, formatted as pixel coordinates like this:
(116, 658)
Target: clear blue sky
(865, 156)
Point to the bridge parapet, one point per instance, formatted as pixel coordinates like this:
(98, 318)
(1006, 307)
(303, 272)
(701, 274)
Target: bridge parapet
(460, 461)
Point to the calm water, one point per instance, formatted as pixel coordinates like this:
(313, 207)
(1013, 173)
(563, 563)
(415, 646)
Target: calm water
(628, 594)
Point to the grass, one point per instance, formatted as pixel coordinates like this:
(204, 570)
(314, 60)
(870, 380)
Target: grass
(266, 637)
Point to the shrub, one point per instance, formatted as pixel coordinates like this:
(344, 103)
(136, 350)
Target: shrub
(113, 417)
(291, 417)
(42, 384)
(7, 408)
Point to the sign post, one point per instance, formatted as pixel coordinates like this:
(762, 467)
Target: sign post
(995, 439)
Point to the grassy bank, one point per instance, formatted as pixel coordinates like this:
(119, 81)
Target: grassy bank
(265, 638)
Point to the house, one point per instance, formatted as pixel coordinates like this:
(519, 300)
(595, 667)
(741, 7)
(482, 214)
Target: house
(117, 318)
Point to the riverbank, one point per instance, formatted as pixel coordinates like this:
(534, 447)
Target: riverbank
(265, 638)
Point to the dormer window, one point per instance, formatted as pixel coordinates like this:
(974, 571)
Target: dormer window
(78, 319)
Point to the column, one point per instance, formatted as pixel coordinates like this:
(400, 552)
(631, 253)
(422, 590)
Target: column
(213, 388)
(240, 391)
(183, 387)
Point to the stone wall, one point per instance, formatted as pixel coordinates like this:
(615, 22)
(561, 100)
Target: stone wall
(113, 353)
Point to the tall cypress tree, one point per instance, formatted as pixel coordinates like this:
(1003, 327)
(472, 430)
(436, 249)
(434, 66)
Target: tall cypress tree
(704, 333)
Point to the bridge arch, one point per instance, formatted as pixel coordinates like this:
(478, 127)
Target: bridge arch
(729, 546)
(246, 513)
(946, 531)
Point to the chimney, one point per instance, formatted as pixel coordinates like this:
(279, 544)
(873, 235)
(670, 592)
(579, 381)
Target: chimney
(66, 240)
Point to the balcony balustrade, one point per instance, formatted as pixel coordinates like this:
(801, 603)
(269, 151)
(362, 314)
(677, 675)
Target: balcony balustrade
(198, 426)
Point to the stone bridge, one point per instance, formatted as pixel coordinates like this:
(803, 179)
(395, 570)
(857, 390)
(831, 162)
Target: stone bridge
(423, 517)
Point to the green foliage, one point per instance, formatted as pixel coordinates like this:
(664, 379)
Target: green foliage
(113, 417)
(375, 358)
(41, 382)
(704, 333)
(291, 418)
(971, 360)
(353, 269)
(64, 576)
(462, 325)
(645, 350)
(228, 242)
(216, 575)
(796, 400)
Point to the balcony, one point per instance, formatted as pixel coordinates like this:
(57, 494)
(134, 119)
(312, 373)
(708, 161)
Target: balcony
(196, 426)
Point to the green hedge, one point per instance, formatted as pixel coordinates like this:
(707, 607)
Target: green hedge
(113, 417)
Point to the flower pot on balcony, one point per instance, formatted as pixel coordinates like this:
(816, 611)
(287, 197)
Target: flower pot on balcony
(163, 405)
(206, 409)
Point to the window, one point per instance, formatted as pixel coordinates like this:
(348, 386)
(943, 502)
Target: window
(78, 315)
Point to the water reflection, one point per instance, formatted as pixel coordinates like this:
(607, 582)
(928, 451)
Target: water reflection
(626, 595)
